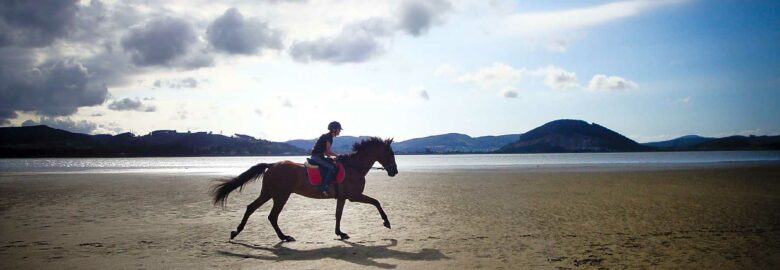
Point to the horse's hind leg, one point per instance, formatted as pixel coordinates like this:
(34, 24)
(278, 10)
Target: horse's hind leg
(264, 197)
(279, 202)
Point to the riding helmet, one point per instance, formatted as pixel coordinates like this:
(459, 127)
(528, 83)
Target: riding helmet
(334, 125)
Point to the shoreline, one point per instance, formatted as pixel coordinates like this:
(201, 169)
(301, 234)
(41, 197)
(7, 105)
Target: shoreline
(443, 169)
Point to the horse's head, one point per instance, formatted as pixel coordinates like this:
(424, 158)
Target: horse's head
(376, 149)
(387, 158)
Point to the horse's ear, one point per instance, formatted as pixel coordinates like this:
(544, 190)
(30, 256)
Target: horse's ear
(389, 141)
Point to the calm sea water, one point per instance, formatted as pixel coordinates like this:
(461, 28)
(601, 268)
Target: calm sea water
(235, 165)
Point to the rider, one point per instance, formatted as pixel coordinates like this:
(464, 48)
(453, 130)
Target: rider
(322, 149)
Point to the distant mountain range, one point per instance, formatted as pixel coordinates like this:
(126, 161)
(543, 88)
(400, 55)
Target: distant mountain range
(697, 143)
(560, 136)
(444, 143)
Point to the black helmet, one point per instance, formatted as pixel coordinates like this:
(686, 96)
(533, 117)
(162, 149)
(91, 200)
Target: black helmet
(334, 125)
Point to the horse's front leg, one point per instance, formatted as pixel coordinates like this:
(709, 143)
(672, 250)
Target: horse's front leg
(366, 199)
(339, 209)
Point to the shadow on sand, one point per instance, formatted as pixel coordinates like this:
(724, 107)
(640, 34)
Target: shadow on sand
(354, 253)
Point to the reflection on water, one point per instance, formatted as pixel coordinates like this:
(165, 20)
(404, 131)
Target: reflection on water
(235, 165)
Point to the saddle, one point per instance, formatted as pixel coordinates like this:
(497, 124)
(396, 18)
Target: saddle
(315, 174)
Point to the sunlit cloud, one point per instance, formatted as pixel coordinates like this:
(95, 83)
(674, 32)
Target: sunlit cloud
(496, 75)
(602, 82)
(579, 18)
(558, 78)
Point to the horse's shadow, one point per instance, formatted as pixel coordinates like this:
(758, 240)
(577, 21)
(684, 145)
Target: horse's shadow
(354, 253)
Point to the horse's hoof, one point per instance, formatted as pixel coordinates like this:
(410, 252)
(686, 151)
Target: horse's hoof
(288, 239)
(344, 236)
(387, 224)
(233, 234)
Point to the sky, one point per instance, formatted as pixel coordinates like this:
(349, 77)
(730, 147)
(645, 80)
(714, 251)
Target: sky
(282, 70)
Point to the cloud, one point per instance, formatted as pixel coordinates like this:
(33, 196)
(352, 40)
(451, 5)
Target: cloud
(188, 82)
(52, 89)
(35, 23)
(610, 83)
(557, 30)
(416, 17)
(182, 114)
(575, 19)
(159, 41)
(259, 112)
(423, 94)
(233, 34)
(127, 104)
(497, 75)
(184, 83)
(420, 92)
(286, 102)
(557, 78)
(355, 43)
(509, 93)
(559, 44)
(364, 40)
(82, 126)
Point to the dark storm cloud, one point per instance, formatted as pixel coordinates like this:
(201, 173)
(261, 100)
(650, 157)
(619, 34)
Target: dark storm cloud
(59, 55)
(233, 34)
(355, 43)
(82, 126)
(52, 89)
(35, 23)
(127, 104)
(159, 41)
(418, 16)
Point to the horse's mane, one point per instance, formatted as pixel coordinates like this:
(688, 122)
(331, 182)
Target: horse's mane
(370, 142)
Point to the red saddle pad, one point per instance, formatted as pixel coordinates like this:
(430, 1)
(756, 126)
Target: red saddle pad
(316, 179)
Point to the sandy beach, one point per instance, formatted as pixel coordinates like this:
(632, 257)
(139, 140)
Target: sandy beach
(724, 216)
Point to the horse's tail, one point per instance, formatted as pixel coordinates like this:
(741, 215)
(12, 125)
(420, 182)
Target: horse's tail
(221, 190)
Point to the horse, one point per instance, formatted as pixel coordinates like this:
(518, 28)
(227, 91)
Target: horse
(284, 178)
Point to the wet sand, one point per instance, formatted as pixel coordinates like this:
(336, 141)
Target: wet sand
(693, 217)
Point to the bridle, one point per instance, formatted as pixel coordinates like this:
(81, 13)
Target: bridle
(344, 160)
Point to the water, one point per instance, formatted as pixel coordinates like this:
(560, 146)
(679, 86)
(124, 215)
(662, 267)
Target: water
(236, 165)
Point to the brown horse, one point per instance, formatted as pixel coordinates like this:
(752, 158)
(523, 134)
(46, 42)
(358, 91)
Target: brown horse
(284, 178)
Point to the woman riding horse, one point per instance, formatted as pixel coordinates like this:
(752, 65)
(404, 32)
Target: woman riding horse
(322, 150)
(283, 178)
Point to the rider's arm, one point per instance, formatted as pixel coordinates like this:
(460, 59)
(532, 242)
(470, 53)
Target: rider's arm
(328, 151)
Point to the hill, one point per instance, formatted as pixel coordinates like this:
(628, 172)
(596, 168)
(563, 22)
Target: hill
(698, 143)
(43, 141)
(454, 143)
(739, 143)
(565, 136)
(680, 143)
